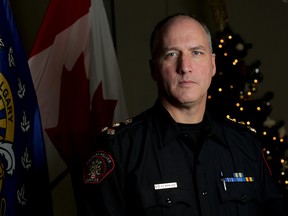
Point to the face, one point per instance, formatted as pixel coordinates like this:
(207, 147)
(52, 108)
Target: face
(184, 65)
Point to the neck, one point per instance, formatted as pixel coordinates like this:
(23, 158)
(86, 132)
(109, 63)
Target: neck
(186, 114)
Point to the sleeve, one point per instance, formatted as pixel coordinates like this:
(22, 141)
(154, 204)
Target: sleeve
(103, 188)
(272, 200)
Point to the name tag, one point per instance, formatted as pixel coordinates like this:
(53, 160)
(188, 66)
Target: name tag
(165, 185)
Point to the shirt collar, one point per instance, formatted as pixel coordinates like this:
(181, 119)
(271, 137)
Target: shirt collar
(165, 125)
(168, 130)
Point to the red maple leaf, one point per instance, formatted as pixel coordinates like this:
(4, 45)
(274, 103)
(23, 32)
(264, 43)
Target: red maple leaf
(78, 125)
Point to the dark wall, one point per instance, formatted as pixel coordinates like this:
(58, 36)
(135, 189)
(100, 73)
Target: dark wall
(263, 23)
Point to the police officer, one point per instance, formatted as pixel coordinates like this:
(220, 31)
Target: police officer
(176, 158)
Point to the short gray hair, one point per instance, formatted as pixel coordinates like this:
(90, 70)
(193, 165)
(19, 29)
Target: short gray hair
(155, 36)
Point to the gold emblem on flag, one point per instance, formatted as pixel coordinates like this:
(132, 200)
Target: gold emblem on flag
(7, 109)
(7, 127)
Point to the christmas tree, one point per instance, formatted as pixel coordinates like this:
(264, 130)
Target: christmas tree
(233, 95)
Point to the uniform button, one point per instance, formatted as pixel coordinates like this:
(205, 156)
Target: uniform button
(204, 193)
(243, 197)
(168, 200)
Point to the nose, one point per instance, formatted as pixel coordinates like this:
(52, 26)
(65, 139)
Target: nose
(184, 64)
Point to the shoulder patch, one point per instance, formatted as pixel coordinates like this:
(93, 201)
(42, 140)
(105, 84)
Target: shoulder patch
(99, 165)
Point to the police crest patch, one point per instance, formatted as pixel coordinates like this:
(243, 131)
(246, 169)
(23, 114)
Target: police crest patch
(99, 165)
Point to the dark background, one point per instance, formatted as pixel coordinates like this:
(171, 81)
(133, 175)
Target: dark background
(263, 23)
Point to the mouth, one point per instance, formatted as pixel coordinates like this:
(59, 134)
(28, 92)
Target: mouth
(186, 83)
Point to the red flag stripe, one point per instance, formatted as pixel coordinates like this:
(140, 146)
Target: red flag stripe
(58, 21)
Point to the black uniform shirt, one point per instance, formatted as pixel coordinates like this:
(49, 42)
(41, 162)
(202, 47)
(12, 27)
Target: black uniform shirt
(148, 168)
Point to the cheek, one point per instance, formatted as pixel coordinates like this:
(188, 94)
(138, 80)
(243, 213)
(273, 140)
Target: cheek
(168, 77)
(163, 74)
(165, 81)
(208, 79)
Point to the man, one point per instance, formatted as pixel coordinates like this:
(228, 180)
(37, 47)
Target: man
(175, 158)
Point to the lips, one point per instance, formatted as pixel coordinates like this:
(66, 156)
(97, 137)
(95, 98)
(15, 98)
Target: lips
(186, 82)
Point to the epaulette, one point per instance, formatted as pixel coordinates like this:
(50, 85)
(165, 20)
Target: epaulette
(241, 123)
(116, 126)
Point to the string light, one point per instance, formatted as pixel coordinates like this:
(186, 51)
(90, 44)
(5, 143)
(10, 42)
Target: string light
(235, 62)
(241, 122)
(229, 117)
(245, 90)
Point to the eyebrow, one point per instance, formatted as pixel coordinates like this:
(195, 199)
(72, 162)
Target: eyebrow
(168, 49)
(200, 47)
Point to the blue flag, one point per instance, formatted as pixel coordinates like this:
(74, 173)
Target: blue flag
(24, 180)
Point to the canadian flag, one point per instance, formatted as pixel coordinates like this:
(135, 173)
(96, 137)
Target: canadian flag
(77, 80)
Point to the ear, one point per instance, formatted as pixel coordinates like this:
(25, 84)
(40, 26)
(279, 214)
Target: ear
(152, 69)
(214, 64)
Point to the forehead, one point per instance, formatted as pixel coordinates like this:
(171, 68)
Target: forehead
(180, 20)
(182, 26)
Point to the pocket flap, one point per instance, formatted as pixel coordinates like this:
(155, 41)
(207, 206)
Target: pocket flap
(243, 192)
(165, 198)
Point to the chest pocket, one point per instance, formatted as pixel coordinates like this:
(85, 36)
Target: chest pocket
(165, 198)
(241, 197)
(242, 192)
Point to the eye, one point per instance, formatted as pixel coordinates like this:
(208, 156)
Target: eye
(170, 54)
(197, 52)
